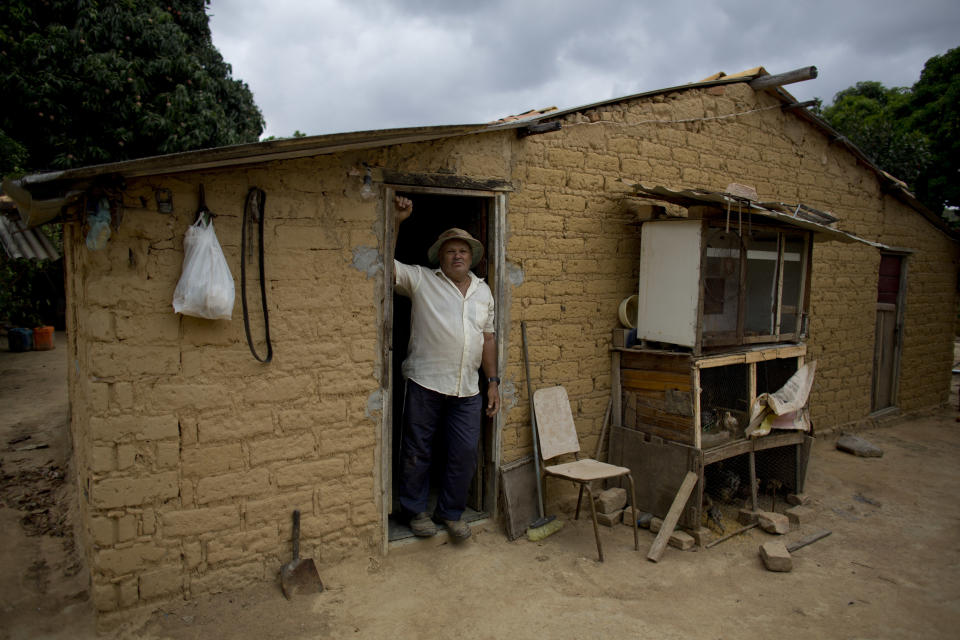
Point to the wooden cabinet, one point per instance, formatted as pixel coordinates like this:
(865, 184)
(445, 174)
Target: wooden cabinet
(705, 284)
(681, 412)
(722, 313)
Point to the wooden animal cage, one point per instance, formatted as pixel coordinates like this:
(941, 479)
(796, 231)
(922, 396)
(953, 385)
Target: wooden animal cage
(680, 412)
(722, 314)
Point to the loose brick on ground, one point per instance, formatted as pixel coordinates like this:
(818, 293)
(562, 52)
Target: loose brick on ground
(773, 522)
(611, 500)
(775, 556)
(799, 515)
(610, 519)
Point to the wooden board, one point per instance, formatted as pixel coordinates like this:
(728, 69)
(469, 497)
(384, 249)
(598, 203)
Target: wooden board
(655, 361)
(658, 467)
(648, 416)
(755, 355)
(745, 445)
(656, 412)
(518, 482)
(654, 380)
(670, 522)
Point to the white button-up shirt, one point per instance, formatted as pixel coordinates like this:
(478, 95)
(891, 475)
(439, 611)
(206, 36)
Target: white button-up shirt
(446, 329)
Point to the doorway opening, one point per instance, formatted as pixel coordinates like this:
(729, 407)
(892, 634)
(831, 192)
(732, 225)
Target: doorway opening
(889, 323)
(435, 211)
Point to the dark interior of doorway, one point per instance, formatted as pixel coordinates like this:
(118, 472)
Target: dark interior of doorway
(432, 215)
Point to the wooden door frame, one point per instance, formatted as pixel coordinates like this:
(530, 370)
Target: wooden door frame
(904, 254)
(496, 273)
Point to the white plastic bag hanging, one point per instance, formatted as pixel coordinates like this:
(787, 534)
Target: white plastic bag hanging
(205, 289)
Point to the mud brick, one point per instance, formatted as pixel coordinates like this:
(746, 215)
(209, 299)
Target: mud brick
(682, 540)
(678, 539)
(610, 519)
(747, 516)
(611, 500)
(772, 522)
(701, 536)
(620, 337)
(798, 498)
(799, 515)
(775, 556)
(628, 521)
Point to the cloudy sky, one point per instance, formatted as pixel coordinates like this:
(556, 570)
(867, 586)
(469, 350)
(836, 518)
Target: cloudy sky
(326, 66)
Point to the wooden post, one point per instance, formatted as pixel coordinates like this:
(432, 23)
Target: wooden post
(697, 427)
(616, 394)
(603, 431)
(670, 522)
(780, 79)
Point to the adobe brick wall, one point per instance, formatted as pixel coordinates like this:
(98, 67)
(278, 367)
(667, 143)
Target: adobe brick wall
(576, 243)
(191, 455)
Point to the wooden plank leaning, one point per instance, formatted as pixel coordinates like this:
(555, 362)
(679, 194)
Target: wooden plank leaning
(670, 522)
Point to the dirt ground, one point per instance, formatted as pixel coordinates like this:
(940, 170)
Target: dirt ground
(889, 569)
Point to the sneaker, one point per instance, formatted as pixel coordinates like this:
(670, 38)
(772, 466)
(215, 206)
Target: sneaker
(422, 525)
(458, 529)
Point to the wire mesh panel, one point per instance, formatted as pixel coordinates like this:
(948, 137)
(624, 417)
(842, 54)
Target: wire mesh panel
(773, 374)
(721, 287)
(724, 399)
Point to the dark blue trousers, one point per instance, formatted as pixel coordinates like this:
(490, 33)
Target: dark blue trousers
(459, 421)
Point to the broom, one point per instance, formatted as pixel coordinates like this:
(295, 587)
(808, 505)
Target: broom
(543, 526)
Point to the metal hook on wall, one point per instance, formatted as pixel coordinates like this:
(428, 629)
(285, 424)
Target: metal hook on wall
(202, 210)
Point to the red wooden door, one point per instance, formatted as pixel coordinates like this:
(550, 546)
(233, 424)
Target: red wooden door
(887, 336)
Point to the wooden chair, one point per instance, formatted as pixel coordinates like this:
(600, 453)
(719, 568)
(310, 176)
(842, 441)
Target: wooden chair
(558, 435)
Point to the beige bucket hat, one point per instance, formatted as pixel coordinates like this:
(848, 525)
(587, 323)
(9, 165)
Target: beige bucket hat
(433, 254)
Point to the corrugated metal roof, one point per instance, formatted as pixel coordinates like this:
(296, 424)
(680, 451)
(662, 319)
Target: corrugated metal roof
(257, 152)
(35, 212)
(20, 242)
(793, 215)
(311, 145)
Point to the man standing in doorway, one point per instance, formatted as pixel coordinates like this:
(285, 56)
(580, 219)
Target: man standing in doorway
(451, 337)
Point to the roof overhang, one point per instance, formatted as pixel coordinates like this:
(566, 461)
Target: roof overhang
(20, 242)
(40, 197)
(798, 215)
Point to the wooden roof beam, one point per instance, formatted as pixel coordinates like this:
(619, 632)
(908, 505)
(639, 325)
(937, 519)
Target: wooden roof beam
(780, 79)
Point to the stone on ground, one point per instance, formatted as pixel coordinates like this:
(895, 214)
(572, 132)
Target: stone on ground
(611, 500)
(772, 522)
(775, 556)
(859, 447)
(610, 519)
(799, 515)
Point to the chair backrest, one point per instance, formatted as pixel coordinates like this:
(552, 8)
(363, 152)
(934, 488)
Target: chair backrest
(555, 426)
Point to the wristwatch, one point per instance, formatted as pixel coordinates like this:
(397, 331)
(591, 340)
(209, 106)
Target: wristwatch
(493, 379)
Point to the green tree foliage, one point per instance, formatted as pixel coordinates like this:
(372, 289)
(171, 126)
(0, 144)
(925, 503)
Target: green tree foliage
(27, 292)
(912, 133)
(936, 112)
(93, 81)
(876, 119)
(296, 134)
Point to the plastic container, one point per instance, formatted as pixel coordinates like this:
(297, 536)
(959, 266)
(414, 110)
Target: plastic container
(20, 339)
(43, 338)
(627, 312)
